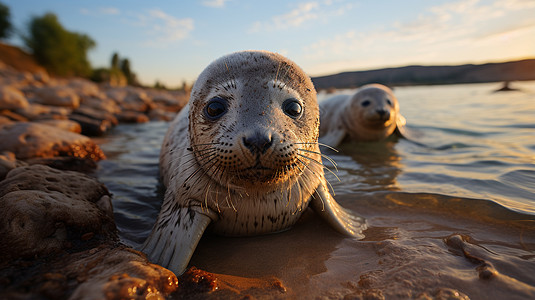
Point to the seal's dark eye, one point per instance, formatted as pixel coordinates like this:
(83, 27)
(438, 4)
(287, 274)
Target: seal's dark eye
(389, 102)
(365, 103)
(292, 108)
(215, 108)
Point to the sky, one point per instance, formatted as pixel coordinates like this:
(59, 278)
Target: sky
(173, 41)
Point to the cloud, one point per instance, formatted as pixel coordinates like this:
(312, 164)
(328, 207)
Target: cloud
(439, 33)
(162, 28)
(100, 11)
(109, 11)
(214, 3)
(301, 14)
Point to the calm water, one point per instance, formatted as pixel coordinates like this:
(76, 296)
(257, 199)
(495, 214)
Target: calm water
(463, 186)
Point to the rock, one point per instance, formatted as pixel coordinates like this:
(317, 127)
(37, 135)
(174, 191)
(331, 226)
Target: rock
(12, 98)
(131, 98)
(91, 127)
(37, 111)
(106, 271)
(65, 163)
(167, 100)
(59, 241)
(67, 125)
(12, 116)
(122, 273)
(8, 162)
(41, 76)
(29, 140)
(4, 120)
(41, 208)
(132, 117)
(101, 104)
(84, 88)
(96, 114)
(159, 114)
(62, 96)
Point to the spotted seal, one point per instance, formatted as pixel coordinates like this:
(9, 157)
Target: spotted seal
(243, 157)
(371, 114)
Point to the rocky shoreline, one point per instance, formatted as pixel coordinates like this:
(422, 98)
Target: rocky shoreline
(58, 236)
(59, 239)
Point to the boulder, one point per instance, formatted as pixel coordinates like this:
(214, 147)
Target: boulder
(132, 117)
(130, 98)
(172, 101)
(59, 241)
(159, 114)
(91, 127)
(42, 208)
(12, 116)
(65, 163)
(96, 114)
(62, 96)
(12, 98)
(84, 88)
(101, 104)
(107, 271)
(121, 273)
(38, 111)
(8, 162)
(4, 120)
(28, 140)
(67, 125)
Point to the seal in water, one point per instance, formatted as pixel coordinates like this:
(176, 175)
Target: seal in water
(371, 114)
(242, 157)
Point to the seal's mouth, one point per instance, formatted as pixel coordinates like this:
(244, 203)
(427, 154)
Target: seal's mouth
(262, 175)
(258, 167)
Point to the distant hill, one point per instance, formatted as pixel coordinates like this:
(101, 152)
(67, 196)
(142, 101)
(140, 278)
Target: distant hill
(426, 75)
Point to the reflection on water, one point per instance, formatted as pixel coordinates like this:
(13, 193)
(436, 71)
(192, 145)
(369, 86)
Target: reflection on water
(450, 211)
(364, 167)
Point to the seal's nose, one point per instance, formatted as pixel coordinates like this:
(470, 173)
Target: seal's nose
(384, 114)
(258, 142)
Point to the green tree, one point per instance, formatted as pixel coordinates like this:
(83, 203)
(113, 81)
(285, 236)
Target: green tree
(5, 23)
(115, 61)
(62, 52)
(127, 71)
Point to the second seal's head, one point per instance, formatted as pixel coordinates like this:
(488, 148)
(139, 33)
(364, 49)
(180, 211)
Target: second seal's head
(259, 114)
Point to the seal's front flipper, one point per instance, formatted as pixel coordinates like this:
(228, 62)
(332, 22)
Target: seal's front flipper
(172, 242)
(341, 219)
(333, 138)
(401, 130)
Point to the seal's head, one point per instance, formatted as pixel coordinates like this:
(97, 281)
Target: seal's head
(256, 127)
(374, 106)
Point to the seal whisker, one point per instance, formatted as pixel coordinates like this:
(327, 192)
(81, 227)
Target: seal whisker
(224, 185)
(319, 163)
(306, 177)
(322, 155)
(194, 161)
(277, 75)
(203, 169)
(206, 196)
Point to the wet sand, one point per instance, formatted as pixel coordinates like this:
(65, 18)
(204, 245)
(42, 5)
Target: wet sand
(417, 246)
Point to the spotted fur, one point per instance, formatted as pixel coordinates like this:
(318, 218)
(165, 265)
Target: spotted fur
(371, 114)
(214, 174)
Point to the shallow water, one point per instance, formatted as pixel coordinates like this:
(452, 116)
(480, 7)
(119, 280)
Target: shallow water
(451, 210)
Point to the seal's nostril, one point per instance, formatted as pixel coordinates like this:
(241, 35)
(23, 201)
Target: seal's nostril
(258, 142)
(384, 113)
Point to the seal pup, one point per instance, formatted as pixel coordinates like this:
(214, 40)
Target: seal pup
(371, 114)
(243, 157)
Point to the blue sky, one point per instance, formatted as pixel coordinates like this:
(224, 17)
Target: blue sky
(172, 41)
